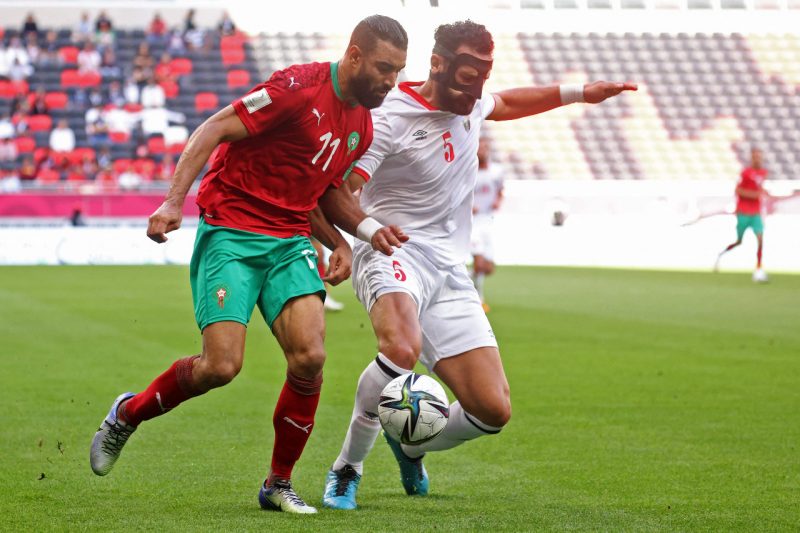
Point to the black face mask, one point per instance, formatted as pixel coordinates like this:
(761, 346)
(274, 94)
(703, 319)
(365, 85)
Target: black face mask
(448, 77)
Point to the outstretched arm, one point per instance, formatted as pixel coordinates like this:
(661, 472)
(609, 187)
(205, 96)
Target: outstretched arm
(341, 208)
(526, 101)
(224, 126)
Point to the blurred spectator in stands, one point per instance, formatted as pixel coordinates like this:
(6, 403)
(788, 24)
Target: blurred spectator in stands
(76, 218)
(8, 150)
(62, 138)
(96, 127)
(129, 179)
(226, 25)
(115, 94)
(74, 172)
(144, 60)
(32, 47)
(89, 59)
(39, 102)
(102, 20)
(30, 26)
(105, 177)
(108, 64)
(95, 97)
(21, 112)
(19, 71)
(89, 167)
(10, 182)
(131, 90)
(166, 168)
(193, 36)
(175, 44)
(164, 71)
(153, 94)
(16, 53)
(49, 51)
(104, 158)
(119, 120)
(188, 22)
(105, 37)
(83, 30)
(157, 32)
(27, 170)
(7, 129)
(157, 120)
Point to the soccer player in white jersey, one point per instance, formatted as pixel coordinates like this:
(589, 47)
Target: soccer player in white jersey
(488, 195)
(420, 174)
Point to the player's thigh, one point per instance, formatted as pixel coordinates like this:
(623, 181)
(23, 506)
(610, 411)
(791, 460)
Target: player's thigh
(478, 381)
(300, 331)
(394, 320)
(226, 274)
(223, 350)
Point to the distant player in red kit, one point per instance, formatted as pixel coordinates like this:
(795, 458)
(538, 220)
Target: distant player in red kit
(281, 147)
(749, 193)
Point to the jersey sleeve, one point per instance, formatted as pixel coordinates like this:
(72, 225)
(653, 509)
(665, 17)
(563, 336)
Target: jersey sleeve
(380, 148)
(267, 106)
(487, 104)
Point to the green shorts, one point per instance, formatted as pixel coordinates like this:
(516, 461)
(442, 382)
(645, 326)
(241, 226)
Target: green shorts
(748, 221)
(233, 270)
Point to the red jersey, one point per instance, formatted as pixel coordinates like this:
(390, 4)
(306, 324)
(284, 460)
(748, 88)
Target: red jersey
(752, 179)
(303, 139)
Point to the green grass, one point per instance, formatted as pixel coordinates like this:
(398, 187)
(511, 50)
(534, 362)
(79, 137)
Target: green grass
(642, 401)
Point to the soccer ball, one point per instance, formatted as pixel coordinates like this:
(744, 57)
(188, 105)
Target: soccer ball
(413, 408)
(759, 276)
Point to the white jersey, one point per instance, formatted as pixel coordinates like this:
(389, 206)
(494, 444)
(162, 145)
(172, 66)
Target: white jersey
(487, 187)
(422, 167)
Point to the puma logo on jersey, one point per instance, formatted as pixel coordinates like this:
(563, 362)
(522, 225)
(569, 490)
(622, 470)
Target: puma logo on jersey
(306, 429)
(292, 83)
(316, 114)
(419, 135)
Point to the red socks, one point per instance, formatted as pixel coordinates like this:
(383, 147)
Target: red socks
(293, 421)
(166, 392)
(758, 255)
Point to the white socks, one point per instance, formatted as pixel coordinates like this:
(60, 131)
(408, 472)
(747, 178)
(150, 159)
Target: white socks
(460, 428)
(364, 425)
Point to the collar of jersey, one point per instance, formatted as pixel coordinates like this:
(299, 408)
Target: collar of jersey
(406, 87)
(335, 83)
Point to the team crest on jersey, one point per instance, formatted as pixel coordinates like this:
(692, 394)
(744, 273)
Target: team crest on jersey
(352, 141)
(467, 124)
(221, 293)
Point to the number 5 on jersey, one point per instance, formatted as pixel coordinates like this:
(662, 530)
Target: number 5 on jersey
(334, 144)
(449, 152)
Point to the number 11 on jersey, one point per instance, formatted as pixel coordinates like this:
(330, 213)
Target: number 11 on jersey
(334, 144)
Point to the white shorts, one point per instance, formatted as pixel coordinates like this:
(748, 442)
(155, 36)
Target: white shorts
(450, 313)
(481, 238)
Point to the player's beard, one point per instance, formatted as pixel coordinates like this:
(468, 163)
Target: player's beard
(369, 96)
(454, 101)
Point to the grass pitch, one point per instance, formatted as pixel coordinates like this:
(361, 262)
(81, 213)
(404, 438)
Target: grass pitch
(642, 401)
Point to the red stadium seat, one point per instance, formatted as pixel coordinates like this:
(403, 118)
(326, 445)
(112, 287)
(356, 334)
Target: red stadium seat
(56, 100)
(181, 66)
(89, 79)
(48, 175)
(232, 42)
(78, 154)
(171, 89)
(70, 78)
(155, 145)
(176, 149)
(76, 177)
(131, 107)
(69, 54)
(6, 89)
(238, 78)
(205, 102)
(25, 144)
(118, 137)
(40, 154)
(121, 165)
(40, 122)
(233, 56)
(145, 167)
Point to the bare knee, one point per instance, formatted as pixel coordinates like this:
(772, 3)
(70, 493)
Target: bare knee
(306, 362)
(402, 352)
(215, 372)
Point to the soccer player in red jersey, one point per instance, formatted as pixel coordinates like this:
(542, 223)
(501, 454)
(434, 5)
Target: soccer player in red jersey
(279, 148)
(749, 193)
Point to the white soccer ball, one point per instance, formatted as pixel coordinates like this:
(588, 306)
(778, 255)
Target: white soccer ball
(759, 276)
(413, 408)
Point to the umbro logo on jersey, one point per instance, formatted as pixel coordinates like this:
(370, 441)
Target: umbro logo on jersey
(419, 135)
(316, 114)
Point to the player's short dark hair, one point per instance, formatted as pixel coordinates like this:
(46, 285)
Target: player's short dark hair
(369, 31)
(464, 32)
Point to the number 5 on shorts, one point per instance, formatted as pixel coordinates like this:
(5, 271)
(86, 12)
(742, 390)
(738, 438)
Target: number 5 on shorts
(399, 275)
